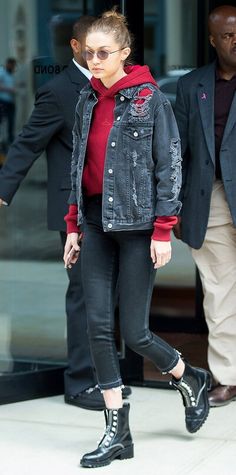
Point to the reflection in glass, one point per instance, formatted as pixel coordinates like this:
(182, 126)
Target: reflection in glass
(32, 277)
(168, 26)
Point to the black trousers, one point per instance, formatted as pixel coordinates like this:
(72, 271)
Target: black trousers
(80, 373)
(105, 256)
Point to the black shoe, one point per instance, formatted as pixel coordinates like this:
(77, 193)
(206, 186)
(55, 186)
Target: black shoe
(193, 387)
(92, 399)
(116, 442)
(221, 395)
(126, 392)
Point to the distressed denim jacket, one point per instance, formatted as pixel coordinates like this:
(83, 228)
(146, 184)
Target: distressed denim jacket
(142, 173)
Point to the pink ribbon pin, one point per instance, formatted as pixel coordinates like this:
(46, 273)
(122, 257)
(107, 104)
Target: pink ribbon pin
(203, 96)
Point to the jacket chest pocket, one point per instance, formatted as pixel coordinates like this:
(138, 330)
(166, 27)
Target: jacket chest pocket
(137, 138)
(137, 147)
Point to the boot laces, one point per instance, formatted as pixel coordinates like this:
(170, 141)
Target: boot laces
(91, 390)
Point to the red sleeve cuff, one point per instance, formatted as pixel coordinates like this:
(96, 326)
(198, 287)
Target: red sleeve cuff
(71, 220)
(162, 228)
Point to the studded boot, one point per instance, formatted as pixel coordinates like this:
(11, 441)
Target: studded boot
(116, 442)
(193, 387)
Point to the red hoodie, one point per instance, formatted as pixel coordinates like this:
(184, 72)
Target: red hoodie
(102, 121)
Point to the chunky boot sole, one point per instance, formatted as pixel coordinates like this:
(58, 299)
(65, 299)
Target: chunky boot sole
(206, 388)
(126, 453)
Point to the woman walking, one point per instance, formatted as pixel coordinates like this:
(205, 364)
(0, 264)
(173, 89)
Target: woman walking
(126, 175)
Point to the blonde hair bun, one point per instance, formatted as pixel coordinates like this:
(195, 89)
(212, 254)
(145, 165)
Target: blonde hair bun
(115, 14)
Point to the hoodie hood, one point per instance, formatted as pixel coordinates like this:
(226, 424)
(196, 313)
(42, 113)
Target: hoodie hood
(136, 75)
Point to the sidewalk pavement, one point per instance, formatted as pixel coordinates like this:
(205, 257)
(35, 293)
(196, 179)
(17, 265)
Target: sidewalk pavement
(47, 436)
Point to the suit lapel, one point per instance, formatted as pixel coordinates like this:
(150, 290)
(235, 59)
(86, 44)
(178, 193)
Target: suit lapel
(231, 119)
(76, 76)
(206, 93)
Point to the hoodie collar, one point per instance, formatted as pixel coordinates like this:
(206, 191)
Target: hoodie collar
(136, 75)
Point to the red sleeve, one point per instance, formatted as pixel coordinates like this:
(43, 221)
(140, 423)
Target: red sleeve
(71, 220)
(162, 227)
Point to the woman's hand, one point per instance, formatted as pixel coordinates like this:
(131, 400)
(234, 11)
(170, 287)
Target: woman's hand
(72, 249)
(160, 253)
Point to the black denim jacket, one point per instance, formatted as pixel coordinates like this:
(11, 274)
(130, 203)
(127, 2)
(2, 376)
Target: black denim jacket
(142, 174)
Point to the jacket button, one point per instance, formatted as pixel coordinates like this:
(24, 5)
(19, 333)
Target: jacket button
(118, 118)
(122, 98)
(110, 199)
(207, 162)
(109, 225)
(202, 192)
(110, 171)
(113, 144)
(135, 134)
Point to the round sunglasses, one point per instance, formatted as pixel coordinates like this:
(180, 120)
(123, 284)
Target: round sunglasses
(101, 54)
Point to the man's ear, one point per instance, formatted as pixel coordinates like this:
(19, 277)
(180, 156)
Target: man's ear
(75, 45)
(212, 41)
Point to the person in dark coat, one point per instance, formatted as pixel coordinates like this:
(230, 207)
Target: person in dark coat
(206, 116)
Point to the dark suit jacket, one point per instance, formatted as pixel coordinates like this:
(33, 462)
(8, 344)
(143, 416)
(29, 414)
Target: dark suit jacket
(49, 128)
(194, 112)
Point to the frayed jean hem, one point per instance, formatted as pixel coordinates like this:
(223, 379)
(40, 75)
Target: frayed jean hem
(172, 365)
(113, 385)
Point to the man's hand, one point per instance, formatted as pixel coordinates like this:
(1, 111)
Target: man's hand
(1, 202)
(160, 253)
(72, 249)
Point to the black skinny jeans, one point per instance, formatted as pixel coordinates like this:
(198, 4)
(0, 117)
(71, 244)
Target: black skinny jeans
(105, 255)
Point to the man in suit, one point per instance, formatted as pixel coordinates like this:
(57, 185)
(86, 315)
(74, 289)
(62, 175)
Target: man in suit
(50, 129)
(206, 116)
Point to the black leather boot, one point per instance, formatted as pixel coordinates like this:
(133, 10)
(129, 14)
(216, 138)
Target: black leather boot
(193, 387)
(116, 442)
